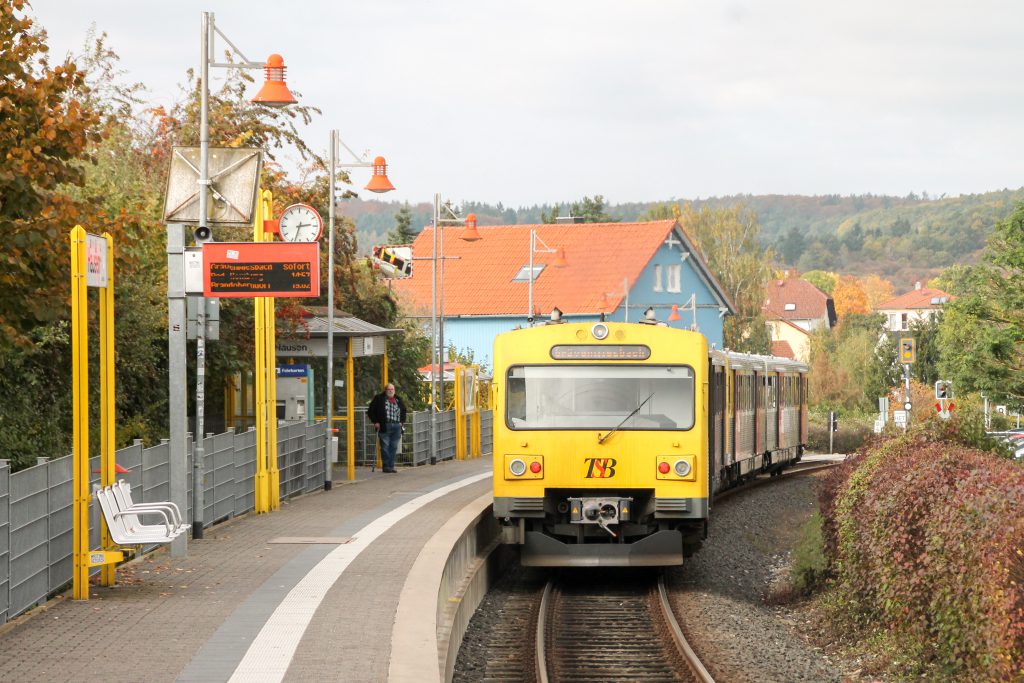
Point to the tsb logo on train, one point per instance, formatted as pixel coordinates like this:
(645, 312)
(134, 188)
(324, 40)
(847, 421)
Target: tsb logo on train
(600, 468)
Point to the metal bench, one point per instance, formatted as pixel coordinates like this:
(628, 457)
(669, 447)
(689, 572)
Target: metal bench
(122, 491)
(124, 524)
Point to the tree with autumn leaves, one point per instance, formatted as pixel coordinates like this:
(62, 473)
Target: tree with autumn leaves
(81, 147)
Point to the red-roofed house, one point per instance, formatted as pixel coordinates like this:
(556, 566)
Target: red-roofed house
(793, 309)
(920, 303)
(783, 350)
(619, 269)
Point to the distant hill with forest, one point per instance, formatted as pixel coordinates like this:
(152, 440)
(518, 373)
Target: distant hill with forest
(902, 239)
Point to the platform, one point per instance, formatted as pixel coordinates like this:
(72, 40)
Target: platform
(307, 593)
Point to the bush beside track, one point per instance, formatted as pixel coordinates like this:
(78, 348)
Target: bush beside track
(925, 542)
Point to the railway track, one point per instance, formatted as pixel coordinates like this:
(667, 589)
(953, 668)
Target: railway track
(621, 630)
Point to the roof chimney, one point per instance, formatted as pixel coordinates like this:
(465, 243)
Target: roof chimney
(917, 285)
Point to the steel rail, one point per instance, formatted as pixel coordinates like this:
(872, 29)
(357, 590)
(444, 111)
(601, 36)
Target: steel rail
(541, 649)
(677, 635)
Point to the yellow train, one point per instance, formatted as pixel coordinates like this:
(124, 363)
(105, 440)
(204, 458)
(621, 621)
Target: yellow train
(611, 439)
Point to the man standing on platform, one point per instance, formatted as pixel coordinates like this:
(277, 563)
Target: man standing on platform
(387, 412)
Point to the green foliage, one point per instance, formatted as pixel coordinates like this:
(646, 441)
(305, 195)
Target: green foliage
(809, 564)
(923, 536)
(823, 280)
(35, 420)
(403, 232)
(728, 239)
(790, 247)
(850, 366)
(981, 337)
(590, 210)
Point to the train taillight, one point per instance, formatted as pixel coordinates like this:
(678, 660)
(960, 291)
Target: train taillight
(663, 467)
(535, 467)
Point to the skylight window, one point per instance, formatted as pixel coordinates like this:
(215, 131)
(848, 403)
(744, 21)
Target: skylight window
(524, 273)
(790, 307)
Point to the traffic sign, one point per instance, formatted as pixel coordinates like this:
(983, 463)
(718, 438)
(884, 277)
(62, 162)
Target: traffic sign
(899, 417)
(908, 406)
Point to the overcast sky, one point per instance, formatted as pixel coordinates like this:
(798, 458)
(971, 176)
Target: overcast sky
(542, 101)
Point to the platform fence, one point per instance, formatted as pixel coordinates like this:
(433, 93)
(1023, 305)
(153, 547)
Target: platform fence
(36, 502)
(415, 448)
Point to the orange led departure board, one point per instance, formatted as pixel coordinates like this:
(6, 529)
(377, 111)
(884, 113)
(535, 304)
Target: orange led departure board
(251, 269)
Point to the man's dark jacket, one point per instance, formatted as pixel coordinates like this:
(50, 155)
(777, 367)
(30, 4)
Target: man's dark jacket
(377, 413)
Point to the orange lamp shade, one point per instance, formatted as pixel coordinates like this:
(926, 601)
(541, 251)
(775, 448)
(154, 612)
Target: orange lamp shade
(560, 261)
(379, 182)
(603, 304)
(674, 315)
(274, 92)
(471, 234)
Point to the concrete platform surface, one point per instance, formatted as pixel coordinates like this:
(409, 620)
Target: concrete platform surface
(306, 593)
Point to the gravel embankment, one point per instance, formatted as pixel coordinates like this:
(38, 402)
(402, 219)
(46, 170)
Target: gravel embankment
(719, 595)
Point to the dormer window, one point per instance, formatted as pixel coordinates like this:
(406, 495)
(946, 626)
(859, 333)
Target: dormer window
(524, 273)
(790, 307)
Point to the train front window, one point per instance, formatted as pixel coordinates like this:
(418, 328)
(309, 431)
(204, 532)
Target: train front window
(600, 397)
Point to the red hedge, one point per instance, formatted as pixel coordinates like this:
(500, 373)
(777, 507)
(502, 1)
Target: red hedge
(926, 541)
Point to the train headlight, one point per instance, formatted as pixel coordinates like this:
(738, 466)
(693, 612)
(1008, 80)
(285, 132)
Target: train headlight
(600, 331)
(676, 467)
(520, 467)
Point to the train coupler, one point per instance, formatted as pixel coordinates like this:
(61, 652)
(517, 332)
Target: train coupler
(600, 511)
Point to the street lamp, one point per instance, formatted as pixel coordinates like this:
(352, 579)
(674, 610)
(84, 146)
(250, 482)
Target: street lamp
(378, 183)
(690, 304)
(470, 234)
(558, 262)
(274, 93)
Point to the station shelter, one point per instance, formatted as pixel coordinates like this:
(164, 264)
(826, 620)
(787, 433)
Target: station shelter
(302, 366)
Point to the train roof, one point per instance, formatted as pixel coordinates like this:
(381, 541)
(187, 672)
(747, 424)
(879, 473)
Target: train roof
(753, 361)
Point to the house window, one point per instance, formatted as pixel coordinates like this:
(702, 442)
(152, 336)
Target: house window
(894, 322)
(657, 278)
(524, 273)
(904, 322)
(790, 307)
(673, 279)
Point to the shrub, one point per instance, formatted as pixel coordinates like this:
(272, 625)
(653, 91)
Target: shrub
(924, 539)
(853, 432)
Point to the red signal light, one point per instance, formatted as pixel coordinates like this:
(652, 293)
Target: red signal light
(535, 467)
(663, 467)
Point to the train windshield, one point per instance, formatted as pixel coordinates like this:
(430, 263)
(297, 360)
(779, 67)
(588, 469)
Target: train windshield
(642, 397)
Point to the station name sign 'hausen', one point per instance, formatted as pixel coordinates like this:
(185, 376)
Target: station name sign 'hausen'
(251, 269)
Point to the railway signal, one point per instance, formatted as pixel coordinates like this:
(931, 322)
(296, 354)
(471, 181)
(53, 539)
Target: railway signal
(944, 398)
(908, 350)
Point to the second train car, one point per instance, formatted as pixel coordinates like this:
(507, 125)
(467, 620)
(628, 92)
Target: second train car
(611, 439)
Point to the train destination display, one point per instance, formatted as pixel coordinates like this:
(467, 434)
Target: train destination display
(251, 269)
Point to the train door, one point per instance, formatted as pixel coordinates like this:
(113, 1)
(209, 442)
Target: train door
(729, 423)
(802, 382)
(772, 411)
(759, 413)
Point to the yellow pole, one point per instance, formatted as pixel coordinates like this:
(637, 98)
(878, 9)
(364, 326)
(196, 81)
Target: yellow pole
(460, 416)
(350, 422)
(475, 424)
(80, 414)
(108, 574)
(260, 381)
(274, 476)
